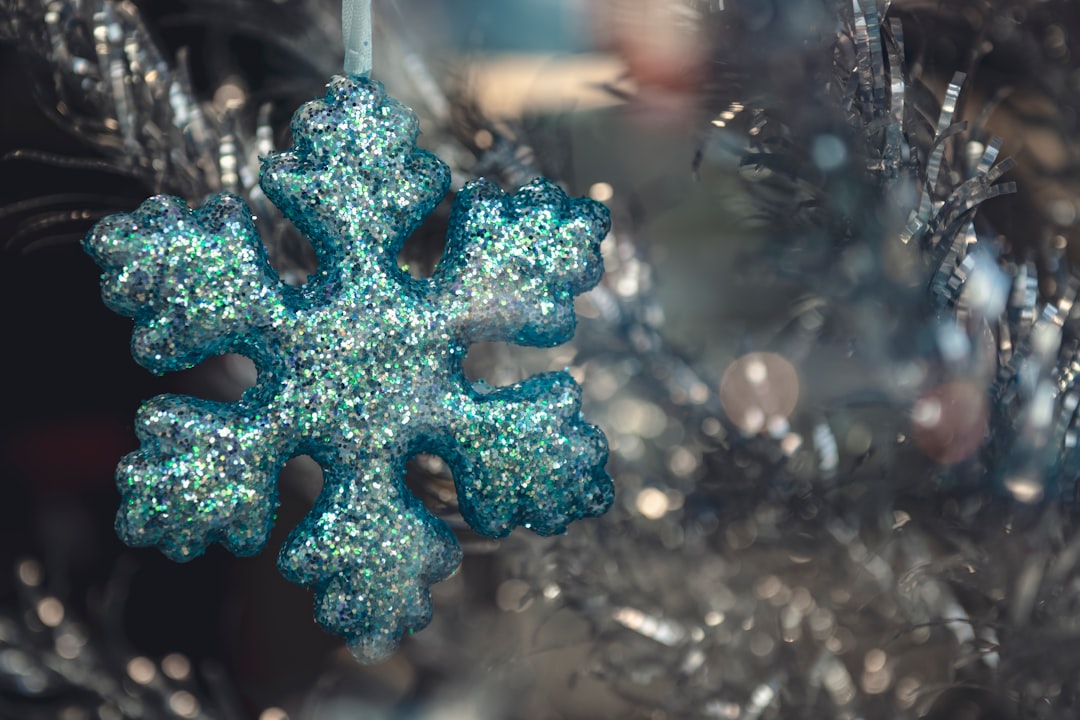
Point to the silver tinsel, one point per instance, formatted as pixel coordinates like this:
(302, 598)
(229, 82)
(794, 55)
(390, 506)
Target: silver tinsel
(904, 551)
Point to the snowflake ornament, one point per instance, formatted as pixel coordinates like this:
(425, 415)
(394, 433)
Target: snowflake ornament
(360, 368)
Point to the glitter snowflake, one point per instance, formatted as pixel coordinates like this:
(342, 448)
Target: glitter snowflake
(360, 368)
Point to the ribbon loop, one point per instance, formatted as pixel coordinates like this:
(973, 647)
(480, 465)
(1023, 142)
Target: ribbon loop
(356, 31)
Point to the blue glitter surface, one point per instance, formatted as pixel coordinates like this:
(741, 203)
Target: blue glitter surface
(360, 368)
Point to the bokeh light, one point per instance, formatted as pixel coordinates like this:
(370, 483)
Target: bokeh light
(759, 392)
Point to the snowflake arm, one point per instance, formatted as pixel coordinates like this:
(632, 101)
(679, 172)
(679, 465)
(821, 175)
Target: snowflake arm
(205, 472)
(513, 263)
(370, 550)
(354, 182)
(523, 455)
(149, 257)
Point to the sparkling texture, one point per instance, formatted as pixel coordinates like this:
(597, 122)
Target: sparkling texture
(360, 368)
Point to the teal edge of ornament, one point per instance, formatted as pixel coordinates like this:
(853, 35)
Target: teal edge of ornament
(360, 368)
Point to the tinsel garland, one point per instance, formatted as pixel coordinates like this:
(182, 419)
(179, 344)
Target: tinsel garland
(903, 547)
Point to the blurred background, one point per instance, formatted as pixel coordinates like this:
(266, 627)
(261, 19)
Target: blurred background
(834, 363)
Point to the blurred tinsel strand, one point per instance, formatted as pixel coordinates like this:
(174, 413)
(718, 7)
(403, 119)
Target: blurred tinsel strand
(869, 510)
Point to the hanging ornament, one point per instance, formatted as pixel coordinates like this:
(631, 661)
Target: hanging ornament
(360, 368)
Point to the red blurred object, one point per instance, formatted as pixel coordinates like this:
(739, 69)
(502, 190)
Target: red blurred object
(666, 55)
(63, 456)
(950, 421)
